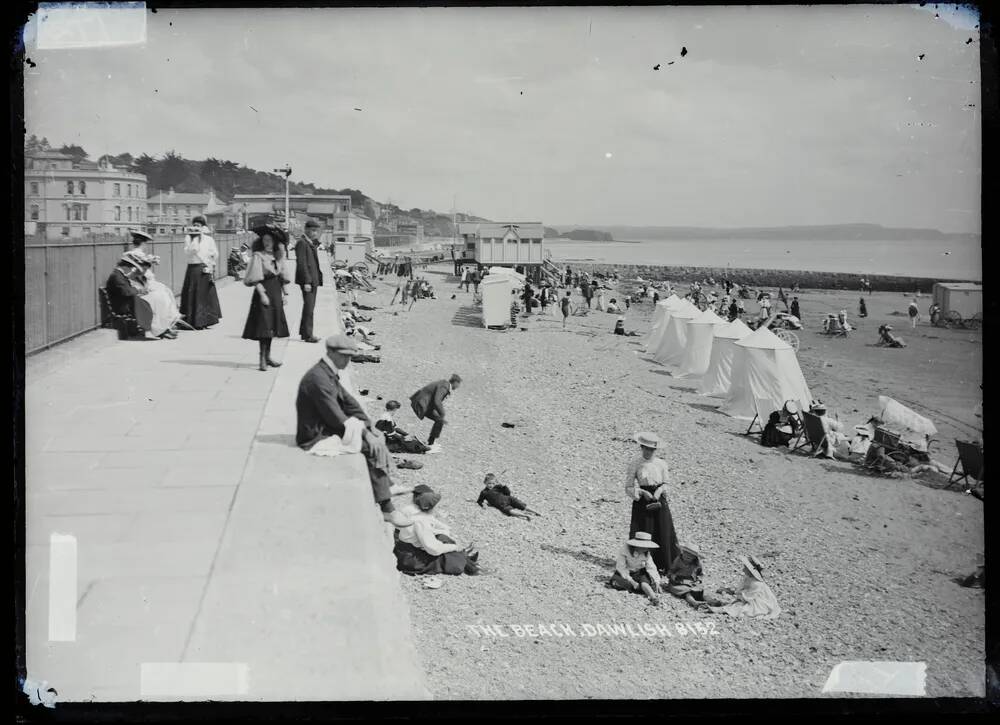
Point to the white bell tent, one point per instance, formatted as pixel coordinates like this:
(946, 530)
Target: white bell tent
(660, 316)
(674, 340)
(698, 351)
(715, 380)
(765, 373)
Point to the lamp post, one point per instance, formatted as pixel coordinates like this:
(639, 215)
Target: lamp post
(287, 171)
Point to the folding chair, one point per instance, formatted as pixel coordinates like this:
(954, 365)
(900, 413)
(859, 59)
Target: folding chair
(970, 459)
(812, 433)
(762, 408)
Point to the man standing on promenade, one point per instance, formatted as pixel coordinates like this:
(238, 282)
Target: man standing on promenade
(325, 409)
(428, 402)
(308, 276)
(476, 279)
(465, 279)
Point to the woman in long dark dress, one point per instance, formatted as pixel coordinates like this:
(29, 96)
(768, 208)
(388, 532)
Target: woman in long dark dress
(646, 484)
(266, 319)
(199, 299)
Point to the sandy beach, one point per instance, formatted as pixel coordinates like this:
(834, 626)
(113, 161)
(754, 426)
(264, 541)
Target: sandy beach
(863, 567)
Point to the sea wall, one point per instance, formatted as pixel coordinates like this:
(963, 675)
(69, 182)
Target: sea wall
(760, 277)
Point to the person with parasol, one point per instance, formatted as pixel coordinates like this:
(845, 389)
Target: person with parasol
(266, 319)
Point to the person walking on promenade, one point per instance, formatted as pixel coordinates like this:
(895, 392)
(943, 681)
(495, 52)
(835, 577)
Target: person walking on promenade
(199, 299)
(914, 313)
(646, 485)
(329, 421)
(266, 319)
(308, 277)
(465, 279)
(795, 308)
(477, 277)
(428, 402)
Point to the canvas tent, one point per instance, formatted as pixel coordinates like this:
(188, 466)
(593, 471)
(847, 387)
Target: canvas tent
(716, 379)
(660, 316)
(671, 347)
(496, 291)
(765, 373)
(517, 280)
(698, 352)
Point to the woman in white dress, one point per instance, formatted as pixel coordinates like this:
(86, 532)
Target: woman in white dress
(166, 314)
(199, 299)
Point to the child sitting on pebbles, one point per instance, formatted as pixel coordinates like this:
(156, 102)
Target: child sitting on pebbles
(499, 497)
(635, 570)
(397, 439)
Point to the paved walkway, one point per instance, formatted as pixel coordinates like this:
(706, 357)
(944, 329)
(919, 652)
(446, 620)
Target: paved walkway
(204, 538)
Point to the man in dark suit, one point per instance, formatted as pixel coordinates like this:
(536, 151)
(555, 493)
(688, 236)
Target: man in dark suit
(428, 402)
(308, 276)
(324, 409)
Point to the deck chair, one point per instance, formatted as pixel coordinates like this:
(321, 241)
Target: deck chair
(812, 433)
(762, 409)
(970, 461)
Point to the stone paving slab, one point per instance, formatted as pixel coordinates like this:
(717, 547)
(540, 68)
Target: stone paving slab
(203, 534)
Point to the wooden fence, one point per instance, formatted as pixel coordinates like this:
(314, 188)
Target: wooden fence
(61, 280)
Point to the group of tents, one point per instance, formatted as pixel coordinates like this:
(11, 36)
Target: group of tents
(753, 371)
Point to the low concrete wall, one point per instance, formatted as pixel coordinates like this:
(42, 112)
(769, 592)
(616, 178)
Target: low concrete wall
(761, 277)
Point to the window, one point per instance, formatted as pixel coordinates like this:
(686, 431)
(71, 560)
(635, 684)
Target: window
(130, 213)
(67, 213)
(187, 211)
(85, 212)
(83, 188)
(69, 187)
(162, 230)
(76, 213)
(128, 190)
(34, 212)
(34, 188)
(118, 189)
(340, 225)
(118, 213)
(65, 231)
(86, 230)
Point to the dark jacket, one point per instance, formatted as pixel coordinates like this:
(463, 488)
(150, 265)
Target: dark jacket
(322, 406)
(121, 293)
(307, 269)
(500, 497)
(430, 397)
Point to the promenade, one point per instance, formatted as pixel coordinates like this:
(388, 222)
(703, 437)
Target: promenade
(179, 546)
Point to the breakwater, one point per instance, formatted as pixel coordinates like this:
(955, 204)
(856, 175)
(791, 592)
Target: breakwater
(759, 277)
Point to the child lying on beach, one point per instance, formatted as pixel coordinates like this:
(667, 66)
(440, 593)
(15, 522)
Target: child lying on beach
(635, 570)
(499, 497)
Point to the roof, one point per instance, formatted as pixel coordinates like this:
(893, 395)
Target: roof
(707, 318)
(735, 330)
(496, 230)
(179, 197)
(49, 155)
(299, 197)
(961, 286)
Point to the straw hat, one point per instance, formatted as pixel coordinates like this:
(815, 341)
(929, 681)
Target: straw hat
(817, 406)
(753, 567)
(693, 548)
(643, 540)
(134, 259)
(647, 440)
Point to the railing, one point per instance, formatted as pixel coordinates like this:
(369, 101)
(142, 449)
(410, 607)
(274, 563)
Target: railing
(61, 280)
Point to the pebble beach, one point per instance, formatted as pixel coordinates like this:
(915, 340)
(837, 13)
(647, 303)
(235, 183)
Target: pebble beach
(862, 567)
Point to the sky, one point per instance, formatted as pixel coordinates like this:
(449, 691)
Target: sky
(782, 115)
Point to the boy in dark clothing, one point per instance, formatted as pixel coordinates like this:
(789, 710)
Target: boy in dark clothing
(397, 439)
(499, 497)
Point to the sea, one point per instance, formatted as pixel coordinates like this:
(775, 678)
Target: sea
(934, 259)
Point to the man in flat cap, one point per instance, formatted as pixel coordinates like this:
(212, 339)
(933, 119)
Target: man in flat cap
(325, 409)
(308, 276)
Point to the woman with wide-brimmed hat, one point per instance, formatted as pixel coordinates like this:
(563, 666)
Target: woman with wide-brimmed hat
(754, 598)
(199, 299)
(266, 319)
(635, 570)
(166, 314)
(426, 547)
(646, 484)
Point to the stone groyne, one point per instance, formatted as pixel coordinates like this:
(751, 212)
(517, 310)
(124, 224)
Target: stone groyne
(760, 277)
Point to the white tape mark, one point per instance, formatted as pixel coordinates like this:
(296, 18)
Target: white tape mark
(879, 678)
(88, 25)
(62, 588)
(193, 679)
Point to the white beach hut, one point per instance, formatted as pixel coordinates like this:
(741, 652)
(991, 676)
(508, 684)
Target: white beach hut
(698, 352)
(496, 289)
(715, 380)
(671, 347)
(661, 314)
(765, 374)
